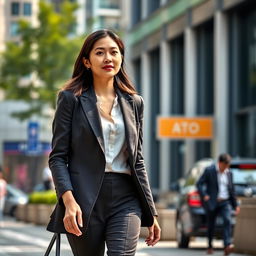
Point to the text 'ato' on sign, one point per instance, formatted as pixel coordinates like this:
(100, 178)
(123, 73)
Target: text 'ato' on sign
(183, 127)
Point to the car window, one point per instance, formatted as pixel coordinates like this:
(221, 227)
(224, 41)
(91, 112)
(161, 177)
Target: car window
(196, 171)
(244, 175)
(14, 191)
(193, 177)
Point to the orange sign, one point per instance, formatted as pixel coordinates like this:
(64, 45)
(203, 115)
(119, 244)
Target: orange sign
(183, 128)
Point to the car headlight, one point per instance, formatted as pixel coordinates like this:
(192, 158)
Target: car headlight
(23, 200)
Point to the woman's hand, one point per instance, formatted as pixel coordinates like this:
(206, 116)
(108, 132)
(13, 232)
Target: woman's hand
(154, 233)
(73, 214)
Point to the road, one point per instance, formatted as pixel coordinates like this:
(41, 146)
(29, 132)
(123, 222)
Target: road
(22, 239)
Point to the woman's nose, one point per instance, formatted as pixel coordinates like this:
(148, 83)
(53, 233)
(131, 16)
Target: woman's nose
(107, 57)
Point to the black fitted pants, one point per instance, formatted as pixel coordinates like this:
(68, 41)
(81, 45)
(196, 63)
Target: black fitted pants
(115, 220)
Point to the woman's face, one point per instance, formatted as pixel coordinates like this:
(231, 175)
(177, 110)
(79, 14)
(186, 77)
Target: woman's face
(105, 58)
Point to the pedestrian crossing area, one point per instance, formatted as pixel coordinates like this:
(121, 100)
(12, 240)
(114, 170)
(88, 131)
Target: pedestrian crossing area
(24, 239)
(24, 243)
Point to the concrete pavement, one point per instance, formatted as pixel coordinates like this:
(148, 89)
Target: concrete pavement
(18, 238)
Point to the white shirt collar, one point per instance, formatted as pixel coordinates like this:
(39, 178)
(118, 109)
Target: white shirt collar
(218, 170)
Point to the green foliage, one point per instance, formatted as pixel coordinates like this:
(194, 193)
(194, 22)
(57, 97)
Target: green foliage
(43, 58)
(44, 197)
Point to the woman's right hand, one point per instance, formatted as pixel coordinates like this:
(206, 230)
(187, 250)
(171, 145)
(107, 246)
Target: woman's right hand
(73, 214)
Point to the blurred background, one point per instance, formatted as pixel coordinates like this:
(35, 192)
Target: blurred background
(191, 60)
(186, 58)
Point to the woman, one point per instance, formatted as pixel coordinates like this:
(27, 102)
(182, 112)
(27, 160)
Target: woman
(96, 159)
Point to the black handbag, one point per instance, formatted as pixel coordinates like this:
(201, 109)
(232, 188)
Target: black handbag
(56, 237)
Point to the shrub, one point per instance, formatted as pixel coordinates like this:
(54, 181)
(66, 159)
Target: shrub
(43, 197)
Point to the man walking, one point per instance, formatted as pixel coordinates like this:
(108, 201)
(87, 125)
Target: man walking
(217, 193)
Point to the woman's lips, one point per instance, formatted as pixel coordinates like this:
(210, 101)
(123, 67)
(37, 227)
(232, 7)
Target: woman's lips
(108, 68)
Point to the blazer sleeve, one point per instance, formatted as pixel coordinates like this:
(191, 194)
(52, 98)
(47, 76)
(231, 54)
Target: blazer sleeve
(61, 129)
(232, 196)
(140, 164)
(201, 183)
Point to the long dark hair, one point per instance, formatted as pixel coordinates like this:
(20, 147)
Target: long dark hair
(82, 77)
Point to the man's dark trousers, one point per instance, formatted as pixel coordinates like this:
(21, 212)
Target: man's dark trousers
(224, 210)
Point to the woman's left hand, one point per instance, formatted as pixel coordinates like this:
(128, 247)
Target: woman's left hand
(154, 233)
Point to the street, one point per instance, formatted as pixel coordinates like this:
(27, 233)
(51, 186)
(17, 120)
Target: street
(19, 238)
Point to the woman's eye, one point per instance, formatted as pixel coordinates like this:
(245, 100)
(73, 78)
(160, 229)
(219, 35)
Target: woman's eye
(115, 52)
(99, 53)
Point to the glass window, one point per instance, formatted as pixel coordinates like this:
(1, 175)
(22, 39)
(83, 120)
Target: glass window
(111, 4)
(15, 8)
(205, 78)
(154, 110)
(242, 87)
(177, 105)
(137, 74)
(177, 76)
(247, 134)
(109, 22)
(244, 176)
(27, 9)
(14, 28)
(177, 160)
(136, 11)
(247, 86)
(153, 5)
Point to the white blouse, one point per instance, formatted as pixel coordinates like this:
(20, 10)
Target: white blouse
(114, 139)
(222, 183)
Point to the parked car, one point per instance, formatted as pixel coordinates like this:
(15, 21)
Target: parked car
(191, 217)
(14, 197)
(39, 187)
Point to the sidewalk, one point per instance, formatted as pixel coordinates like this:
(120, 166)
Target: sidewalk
(25, 239)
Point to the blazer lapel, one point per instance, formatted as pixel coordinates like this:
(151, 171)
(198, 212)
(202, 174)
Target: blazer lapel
(229, 175)
(215, 178)
(127, 106)
(88, 101)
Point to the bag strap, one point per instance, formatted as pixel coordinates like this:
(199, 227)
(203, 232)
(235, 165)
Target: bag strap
(56, 237)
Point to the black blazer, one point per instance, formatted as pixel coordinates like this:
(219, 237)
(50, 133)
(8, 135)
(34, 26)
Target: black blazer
(77, 160)
(208, 185)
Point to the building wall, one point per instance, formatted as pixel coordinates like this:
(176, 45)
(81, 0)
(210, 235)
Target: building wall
(103, 14)
(3, 27)
(26, 9)
(197, 58)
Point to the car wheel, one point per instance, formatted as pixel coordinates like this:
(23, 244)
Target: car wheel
(182, 239)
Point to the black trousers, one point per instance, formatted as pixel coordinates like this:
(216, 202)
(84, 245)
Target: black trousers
(115, 220)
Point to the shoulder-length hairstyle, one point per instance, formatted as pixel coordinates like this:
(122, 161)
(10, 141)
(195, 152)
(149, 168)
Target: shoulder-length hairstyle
(82, 77)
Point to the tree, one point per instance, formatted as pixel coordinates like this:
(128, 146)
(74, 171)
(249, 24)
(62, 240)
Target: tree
(35, 68)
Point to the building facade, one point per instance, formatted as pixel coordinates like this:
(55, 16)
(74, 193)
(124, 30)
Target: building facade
(96, 14)
(103, 14)
(23, 150)
(191, 59)
(10, 12)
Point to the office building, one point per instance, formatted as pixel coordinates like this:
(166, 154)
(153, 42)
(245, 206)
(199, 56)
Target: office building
(10, 12)
(193, 59)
